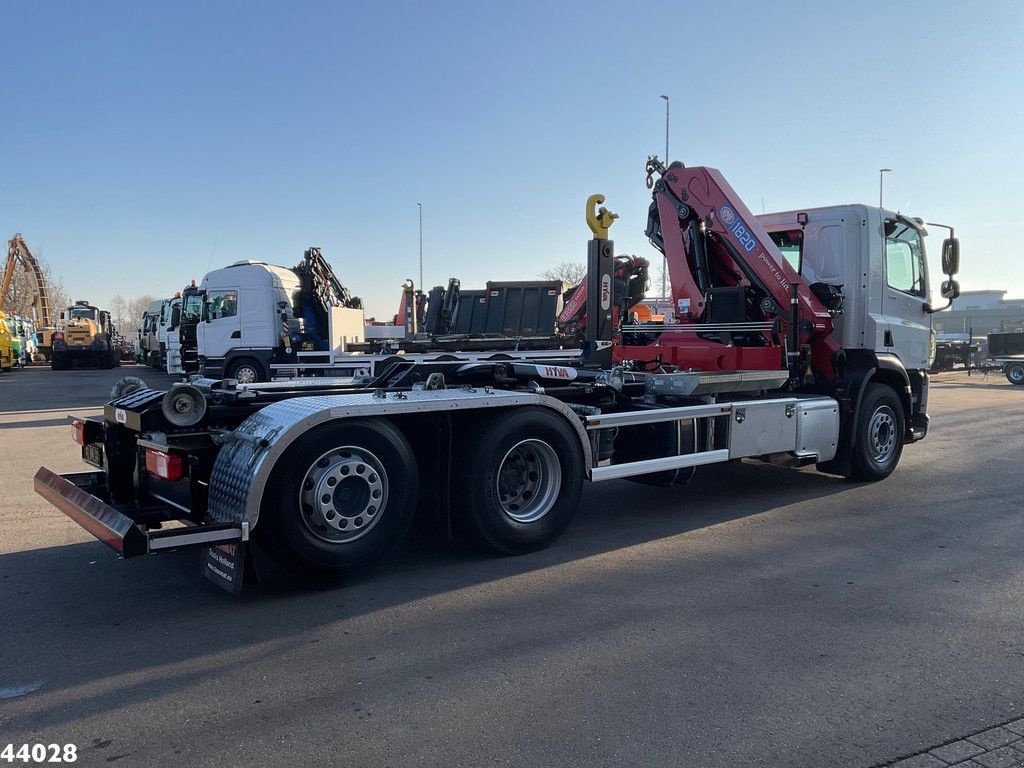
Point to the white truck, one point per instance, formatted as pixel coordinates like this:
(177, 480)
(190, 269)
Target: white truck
(798, 338)
(261, 321)
(149, 335)
(167, 335)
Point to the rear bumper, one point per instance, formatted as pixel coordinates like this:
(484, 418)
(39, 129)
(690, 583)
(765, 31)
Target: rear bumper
(82, 496)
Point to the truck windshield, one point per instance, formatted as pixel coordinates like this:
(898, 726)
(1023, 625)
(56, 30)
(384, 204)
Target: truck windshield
(193, 308)
(87, 313)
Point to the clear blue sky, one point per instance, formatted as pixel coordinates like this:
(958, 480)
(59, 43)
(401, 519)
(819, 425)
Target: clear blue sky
(143, 144)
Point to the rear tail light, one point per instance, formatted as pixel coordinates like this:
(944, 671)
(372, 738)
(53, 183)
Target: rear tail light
(167, 466)
(78, 432)
(58, 335)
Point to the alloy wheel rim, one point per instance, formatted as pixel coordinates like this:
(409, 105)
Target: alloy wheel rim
(343, 494)
(528, 481)
(882, 434)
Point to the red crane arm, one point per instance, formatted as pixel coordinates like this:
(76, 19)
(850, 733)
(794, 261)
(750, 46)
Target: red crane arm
(711, 239)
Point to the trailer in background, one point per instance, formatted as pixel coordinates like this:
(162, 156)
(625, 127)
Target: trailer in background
(1007, 351)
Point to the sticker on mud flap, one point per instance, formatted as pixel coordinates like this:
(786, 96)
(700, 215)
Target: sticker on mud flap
(556, 372)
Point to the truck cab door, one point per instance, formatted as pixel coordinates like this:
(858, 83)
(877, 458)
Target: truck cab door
(907, 324)
(221, 329)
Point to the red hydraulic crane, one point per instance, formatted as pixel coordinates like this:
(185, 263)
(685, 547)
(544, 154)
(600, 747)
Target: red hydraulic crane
(738, 303)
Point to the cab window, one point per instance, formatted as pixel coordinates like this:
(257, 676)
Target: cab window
(791, 243)
(221, 304)
(904, 258)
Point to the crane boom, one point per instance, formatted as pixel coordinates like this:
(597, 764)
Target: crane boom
(727, 274)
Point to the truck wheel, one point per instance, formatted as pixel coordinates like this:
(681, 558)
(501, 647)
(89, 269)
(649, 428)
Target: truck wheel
(522, 483)
(1015, 374)
(878, 443)
(246, 371)
(58, 363)
(339, 498)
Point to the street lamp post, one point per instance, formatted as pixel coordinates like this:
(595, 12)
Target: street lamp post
(664, 263)
(421, 244)
(881, 177)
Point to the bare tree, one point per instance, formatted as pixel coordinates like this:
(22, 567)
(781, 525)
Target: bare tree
(133, 313)
(568, 272)
(119, 312)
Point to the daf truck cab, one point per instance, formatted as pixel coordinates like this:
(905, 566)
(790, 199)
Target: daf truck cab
(879, 258)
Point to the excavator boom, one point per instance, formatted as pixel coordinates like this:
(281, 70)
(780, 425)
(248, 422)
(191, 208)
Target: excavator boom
(18, 254)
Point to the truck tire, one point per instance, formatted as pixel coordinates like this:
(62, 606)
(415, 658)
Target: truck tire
(59, 362)
(878, 442)
(1015, 373)
(522, 476)
(339, 498)
(245, 370)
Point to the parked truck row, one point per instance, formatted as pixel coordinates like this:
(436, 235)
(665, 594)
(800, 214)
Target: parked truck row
(253, 321)
(800, 337)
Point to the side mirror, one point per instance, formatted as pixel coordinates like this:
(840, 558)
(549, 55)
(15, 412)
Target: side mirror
(950, 289)
(62, 315)
(175, 317)
(950, 256)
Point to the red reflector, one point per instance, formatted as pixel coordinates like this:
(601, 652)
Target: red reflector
(168, 466)
(78, 432)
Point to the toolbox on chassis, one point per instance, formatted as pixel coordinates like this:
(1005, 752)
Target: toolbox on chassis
(760, 361)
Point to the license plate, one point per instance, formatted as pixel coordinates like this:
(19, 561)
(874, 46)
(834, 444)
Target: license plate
(93, 454)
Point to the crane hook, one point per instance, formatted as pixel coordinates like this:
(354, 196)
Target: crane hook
(601, 221)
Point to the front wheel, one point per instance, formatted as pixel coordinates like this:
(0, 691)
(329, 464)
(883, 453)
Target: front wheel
(1015, 374)
(523, 476)
(340, 497)
(246, 370)
(878, 443)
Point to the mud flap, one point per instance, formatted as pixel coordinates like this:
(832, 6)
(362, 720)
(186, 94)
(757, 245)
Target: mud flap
(229, 566)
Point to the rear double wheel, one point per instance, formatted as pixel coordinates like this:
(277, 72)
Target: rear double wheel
(521, 480)
(340, 497)
(1015, 373)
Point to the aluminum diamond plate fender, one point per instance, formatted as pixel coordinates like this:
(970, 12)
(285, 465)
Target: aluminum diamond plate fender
(245, 461)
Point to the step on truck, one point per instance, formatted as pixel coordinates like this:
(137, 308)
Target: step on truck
(799, 337)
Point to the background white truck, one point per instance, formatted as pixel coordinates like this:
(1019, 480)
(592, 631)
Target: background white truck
(261, 321)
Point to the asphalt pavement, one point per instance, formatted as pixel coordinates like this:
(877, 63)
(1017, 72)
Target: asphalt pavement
(760, 616)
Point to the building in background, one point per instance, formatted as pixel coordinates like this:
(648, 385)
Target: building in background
(980, 313)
